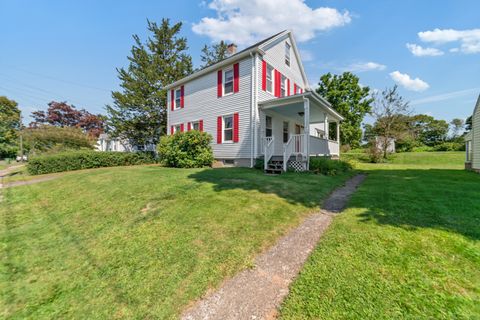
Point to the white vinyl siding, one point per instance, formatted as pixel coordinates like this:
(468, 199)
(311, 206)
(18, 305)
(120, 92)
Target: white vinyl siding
(476, 137)
(203, 103)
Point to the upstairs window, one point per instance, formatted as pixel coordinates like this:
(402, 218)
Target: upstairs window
(268, 126)
(228, 83)
(287, 54)
(283, 85)
(228, 128)
(269, 79)
(178, 98)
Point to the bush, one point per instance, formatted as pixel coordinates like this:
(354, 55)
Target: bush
(76, 160)
(375, 155)
(327, 166)
(259, 164)
(450, 146)
(407, 145)
(189, 149)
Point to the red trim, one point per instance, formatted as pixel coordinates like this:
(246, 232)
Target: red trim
(276, 91)
(288, 87)
(235, 127)
(172, 99)
(189, 126)
(181, 127)
(236, 77)
(219, 130)
(171, 130)
(219, 84)
(294, 88)
(182, 94)
(301, 90)
(200, 125)
(264, 75)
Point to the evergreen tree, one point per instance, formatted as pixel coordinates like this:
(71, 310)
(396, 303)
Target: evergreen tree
(139, 111)
(213, 54)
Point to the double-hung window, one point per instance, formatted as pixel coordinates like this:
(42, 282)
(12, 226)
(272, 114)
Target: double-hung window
(285, 132)
(269, 79)
(178, 98)
(177, 128)
(196, 125)
(268, 126)
(283, 85)
(228, 83)
(287, 54)
(228, 128)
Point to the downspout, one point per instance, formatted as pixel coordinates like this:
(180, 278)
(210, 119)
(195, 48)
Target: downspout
(252, 111)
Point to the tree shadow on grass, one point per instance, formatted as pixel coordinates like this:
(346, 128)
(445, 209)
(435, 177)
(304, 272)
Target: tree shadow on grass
(297, 188)
(438, 199)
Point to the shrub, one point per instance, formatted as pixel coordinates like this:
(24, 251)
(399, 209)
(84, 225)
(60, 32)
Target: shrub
(76, 160)
(375, 155)
(189, 149)
(327, 166)
(407, 145)
(259, 164)
(449, 146)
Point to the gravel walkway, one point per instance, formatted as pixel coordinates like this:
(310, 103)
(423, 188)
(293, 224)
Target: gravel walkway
(257, 293)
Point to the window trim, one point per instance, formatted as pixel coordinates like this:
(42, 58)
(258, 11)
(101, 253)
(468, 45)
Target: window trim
(223, 128)
(193, 123)
(224, 81)
(179, 125)
(272, 79)
(288, 53)
(179, 105)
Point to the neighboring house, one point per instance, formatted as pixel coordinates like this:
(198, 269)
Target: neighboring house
(472, 141)
(107, 143)
(379, 142)
(256, 104)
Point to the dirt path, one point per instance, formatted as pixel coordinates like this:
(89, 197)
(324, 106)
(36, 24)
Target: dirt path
(257, 293)
(6, 172)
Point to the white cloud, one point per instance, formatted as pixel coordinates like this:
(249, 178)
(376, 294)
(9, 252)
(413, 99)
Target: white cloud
(445, 96)
(365, 66)
(247, 21)
(419, 51)
(408, 83)
(306, 55)
(469, 40)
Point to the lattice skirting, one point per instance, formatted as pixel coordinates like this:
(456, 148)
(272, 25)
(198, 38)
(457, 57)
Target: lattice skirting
(297, 166)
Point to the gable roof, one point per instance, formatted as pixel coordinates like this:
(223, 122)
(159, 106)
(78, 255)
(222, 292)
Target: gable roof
(255, 48)
(477, 106)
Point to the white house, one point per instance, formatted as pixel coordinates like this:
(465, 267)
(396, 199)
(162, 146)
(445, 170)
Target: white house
(107, 143)
(472, 141)
(257, 104)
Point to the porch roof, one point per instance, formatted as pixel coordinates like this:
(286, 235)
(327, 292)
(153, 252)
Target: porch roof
(468, 136)
(315, 99)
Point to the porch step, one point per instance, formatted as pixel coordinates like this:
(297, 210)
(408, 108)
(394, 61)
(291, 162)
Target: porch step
(274, 167)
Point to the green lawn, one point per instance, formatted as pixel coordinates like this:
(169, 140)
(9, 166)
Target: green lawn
(407, 247)
(140, 242)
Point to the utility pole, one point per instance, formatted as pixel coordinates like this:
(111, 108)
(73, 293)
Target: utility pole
(21, 138)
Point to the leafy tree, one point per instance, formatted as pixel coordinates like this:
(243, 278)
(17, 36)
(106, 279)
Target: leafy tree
(139, 111)
(468, 124)
(61, 114)
(457, 126)
(429, 130)
(369, 132)
(213, 54)
(10, 123)
(349, 99)
(389, 111)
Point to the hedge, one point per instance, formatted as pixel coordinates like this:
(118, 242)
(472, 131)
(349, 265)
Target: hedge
(327, 166)
(77, 160)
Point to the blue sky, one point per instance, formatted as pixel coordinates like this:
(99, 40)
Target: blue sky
(69, 50)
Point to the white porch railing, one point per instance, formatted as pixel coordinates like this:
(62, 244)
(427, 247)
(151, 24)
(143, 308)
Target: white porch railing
(324, 147)
(268, 148)
(334, 147)
(294, 146)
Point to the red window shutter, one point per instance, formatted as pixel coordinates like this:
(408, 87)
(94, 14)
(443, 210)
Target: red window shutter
(171, 130)
(288, 87)
(301, 90)
(219, 84)
(235, 127)
(200, 126)
(276, 91)
(182, 99)
(264, 75)
(189, 126)
(294, 88)
(181, 127)
(172, 99)
(236, 77)
(219, 130)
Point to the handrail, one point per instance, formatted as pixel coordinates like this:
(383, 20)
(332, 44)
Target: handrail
(267, 150)
(293, 146)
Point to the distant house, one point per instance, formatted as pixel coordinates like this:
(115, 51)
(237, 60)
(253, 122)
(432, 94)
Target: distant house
(107, 143)
(257, 104)
(379, 143)
(472, 141)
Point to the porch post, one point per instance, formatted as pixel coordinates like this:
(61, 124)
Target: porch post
(338, 132)
(306, 129)
(327, 132)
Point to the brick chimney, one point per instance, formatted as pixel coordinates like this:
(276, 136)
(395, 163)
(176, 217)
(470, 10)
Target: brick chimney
(231, 49)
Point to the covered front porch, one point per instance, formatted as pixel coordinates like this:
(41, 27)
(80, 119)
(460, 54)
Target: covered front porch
(296, 127)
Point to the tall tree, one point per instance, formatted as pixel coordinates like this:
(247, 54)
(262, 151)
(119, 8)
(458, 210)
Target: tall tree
(349, 99)
(457, 126)
(61, 114)
(10, 123)
(213, 54)
(139, 111)
(388, 110)
(428, 130)
(468, 124)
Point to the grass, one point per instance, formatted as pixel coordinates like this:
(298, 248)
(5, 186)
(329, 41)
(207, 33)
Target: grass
(140, 242)
(407, 247)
